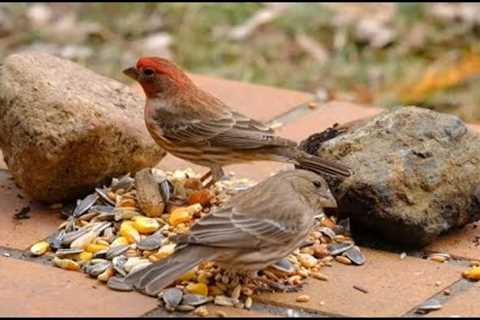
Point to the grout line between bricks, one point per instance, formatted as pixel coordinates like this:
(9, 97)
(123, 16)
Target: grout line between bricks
(24, 255)
(455, 289)
(260, 307)
(294, 113)
(289, 312)
(292, 312)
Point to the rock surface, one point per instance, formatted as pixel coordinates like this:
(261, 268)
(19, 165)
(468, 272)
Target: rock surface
(416, 173)
(65, 129)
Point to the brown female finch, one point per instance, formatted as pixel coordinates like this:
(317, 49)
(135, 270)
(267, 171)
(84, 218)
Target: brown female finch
(194, 125)
(254, 229)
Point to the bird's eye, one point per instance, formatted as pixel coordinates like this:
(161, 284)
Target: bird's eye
(148, 72)
(317, 184)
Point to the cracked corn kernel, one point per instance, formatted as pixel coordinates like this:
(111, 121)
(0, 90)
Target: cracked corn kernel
(145, 225)
(129, 232)
(179, 215)
(472, 274)
(85, 256)
(187, 276)
(197, 288)
(66, 264)
(105, 275)
(94, 248)
(119, 241)
(162, 253)
(39, 248)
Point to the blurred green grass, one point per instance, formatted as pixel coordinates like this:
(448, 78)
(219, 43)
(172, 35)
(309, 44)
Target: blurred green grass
(272, 55)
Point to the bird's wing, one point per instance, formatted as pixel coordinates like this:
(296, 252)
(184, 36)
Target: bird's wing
(263, 222)
(231, 130)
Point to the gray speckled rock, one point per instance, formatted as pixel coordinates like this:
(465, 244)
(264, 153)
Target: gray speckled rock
(417, 174)
(64, 128)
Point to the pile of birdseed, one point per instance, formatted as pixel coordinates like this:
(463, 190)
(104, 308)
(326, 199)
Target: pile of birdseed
(128, 225)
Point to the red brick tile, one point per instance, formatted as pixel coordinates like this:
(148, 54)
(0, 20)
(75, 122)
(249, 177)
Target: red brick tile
(254, 170)
(394, 286)
(30, 289)
(475, 127)
(325, 116)
(21, 234)
(460, 242)
(464, 304)
(260, 102)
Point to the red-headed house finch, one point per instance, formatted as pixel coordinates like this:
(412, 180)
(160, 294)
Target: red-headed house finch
(255, 228)
(194, 125)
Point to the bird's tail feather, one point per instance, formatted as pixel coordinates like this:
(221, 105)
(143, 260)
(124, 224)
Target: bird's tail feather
(157, 276)
(321, 166)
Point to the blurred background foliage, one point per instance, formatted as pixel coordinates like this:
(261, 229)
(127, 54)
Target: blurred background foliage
(427, 54)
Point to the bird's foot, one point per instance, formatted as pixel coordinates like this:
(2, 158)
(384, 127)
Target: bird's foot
(207, 175)
(216, 174)
(270, 285)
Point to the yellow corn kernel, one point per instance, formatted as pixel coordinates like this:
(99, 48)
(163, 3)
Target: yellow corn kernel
(472, 274)
(94, 248)
(197, 288)
(85, 256)
(39, 248)
(187, 276)
(129, 232)
(119, 241)
(66, 264)
(145, 225)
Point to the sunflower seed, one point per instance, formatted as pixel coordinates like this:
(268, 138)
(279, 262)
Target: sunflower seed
(90, 215)
(166, 190)
(184, 308)
(108, 234)
(195, 299)
(56, 239)
(172, 297)
(85, 204)
(152, 242)
(118, 263)
(105, 216)
(103, 193)
(430, 305)
(126, 182)
(284, 265)
(338, 248)
(118, 284)
(102, 208)
(101, 254)
(94, 270)
(327, 231)
(115, 251)
(355, 255)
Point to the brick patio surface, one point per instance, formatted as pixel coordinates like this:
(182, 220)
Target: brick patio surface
(395, 287)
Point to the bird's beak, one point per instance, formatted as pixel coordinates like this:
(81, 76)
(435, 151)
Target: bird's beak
(132, 72)
(328, 200)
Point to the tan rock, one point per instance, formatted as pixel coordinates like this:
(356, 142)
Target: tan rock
(65, 129)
